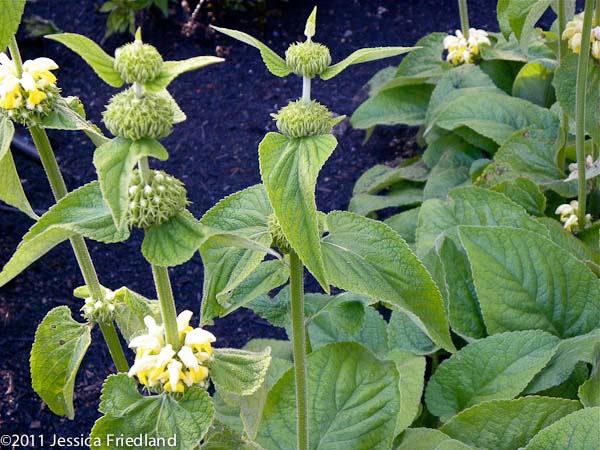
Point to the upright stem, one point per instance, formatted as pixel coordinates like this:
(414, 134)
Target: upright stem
(563, 48)
(167, 305)
(59, 189)
(464, 17)
(306, 84)
(299, 343)
(582, 70)
(16, 56)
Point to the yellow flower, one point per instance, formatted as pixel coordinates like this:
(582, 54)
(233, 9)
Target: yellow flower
(160, 368)
(569, 216)
(462, 50)
(573, 33)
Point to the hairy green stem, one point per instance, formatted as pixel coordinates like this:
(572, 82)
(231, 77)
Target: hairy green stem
(299, 343)
(582, 70)
(563, 48)
(167, 305)
(59, 189)
(464, 17)
(15, 54)
(306, 85)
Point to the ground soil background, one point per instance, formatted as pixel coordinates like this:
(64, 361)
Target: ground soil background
(214, 152)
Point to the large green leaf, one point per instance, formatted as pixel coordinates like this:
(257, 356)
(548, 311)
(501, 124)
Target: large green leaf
(532, 154)
(289, 169)
(353, 402)
(524, 192)
(275, 63)
(244, 213)
(406, 105)
(115, 162)
(131, 309)
(494, 368)
(368, 257)
(381, 177)
(428, 439)
(495, 115)
(568, 354)
(362, 56)
(565, 83)
(172, 69)
(525, 281)
(453, 169)
(469, 206)
(60, 345)
(11, 189)
(411, 371)
(405, 224)
(589, 391)
(577, 431)
(82, 211)
(402, 194)
(10, 18)
(534, 82)
(507, 424)
(91, 52)
(464, 313)
(239, 372)
(174, 242)
(325, 329)
(68, 114)
(406, 335)
(184, 419)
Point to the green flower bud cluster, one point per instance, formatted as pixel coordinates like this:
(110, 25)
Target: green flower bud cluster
(300, 119)
(100, 311)
(30, 116)
(137, 62)
(307, 58)
(132, 117)
(156, 201)
(279, 240)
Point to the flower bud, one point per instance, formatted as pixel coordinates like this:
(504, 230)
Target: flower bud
(100, 311)
(279, 240)
(154, 202)
(131, 117)
(300, 119)
(307, 59)
(137, 62)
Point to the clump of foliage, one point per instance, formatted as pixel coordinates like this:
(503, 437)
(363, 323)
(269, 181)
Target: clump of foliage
(489, 274)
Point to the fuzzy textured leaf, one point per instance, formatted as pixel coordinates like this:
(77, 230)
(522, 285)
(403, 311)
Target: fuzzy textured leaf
(60, 345)
(577, 431)
(275, 63)
(405, 335)
(497, 367)
(10, 18)
(172, 69)
(91, 52)
(354, 402)
(289, 169)
(541, 285)
(362, 56)
(128, 413)
(368, 257)
(174, 242)
(507, 424)
(239, 372)
(82, 211)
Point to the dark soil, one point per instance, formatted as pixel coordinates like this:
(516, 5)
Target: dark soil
(214, 152)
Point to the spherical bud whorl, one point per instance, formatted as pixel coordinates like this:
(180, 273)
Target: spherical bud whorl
(156, 201)
(137, 62)
(300, 119)
(308, 58)
(131, 117)
(279, 240)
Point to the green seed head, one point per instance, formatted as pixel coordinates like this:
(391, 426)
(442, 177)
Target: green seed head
(155, 202)
(307, 58)
(137, 62)
(300, 119)
(279, 240)
(131, 117)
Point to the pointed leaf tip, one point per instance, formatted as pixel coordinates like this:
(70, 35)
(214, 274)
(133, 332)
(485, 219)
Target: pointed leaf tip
(311, 24)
